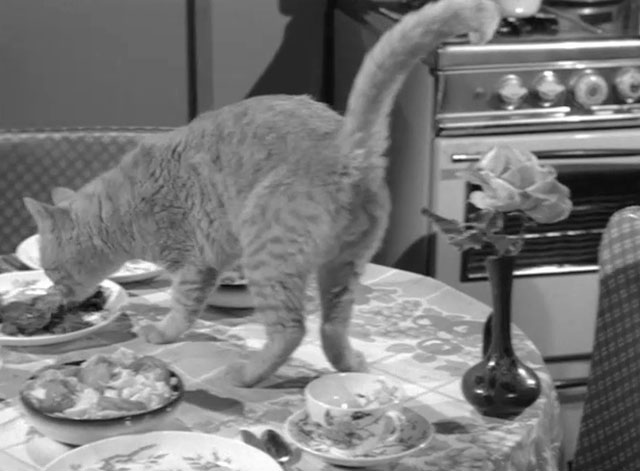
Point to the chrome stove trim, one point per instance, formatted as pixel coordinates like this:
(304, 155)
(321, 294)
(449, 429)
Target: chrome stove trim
(560, 154)
(541, 270)
(510, 114)
(560, 64)
(453, 56)
(454, 124)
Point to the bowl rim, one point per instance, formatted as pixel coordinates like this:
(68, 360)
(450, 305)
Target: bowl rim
(178, 387)
(310, 397)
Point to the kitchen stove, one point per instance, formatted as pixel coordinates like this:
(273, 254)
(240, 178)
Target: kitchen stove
(537, 86)
(564, 84)
(557, 19)
(540, 24)
(575, 65)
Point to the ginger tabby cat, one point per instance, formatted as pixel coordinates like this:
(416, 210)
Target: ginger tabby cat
(282, 184)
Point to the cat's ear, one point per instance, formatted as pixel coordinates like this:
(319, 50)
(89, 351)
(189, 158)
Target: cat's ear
(60, 195)
(45, 215)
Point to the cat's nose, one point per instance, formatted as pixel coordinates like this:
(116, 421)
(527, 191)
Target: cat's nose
(72, 294)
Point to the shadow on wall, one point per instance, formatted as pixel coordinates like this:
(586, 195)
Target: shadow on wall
(297, 66)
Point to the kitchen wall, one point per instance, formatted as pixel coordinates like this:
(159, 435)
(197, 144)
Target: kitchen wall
(257, 47)
(89, 63)
(124, 62)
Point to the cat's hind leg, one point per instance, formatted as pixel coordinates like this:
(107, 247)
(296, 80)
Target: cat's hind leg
(281, 236)
(338, 278)
(337, 281)
(190, 288)
(279, 300)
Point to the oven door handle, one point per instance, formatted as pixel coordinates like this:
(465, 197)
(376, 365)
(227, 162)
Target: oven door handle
(561, 154)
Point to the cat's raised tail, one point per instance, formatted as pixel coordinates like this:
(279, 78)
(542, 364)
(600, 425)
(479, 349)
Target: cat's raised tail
(365, 130)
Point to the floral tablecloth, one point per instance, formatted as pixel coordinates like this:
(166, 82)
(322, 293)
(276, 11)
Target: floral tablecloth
(410, 327)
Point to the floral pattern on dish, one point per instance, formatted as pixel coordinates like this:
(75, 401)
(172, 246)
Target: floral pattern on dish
(165, 451)
(142, 459)
(415, 433)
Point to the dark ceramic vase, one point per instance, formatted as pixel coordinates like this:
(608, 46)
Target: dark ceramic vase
(500, 385)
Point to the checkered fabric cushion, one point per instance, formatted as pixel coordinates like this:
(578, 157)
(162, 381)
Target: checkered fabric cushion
(609, 438)
(34, 162)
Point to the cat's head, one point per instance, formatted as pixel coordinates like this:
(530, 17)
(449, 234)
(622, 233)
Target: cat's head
(70, 258)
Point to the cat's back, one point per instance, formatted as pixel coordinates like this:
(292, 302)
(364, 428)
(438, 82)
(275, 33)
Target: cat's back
(271, 112)
(272, 127)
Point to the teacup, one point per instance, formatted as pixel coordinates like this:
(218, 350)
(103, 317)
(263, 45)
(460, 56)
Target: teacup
(356, 411)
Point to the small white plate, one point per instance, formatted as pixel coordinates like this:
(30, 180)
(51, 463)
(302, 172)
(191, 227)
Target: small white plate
(36, 283)
(416, 432)
(235, 297)
(177, 451)
(134, 270)
(233, 277)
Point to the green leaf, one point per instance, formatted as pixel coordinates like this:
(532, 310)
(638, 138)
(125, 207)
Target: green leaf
(501, 242)
(448, 226)
(459, 235)
(469, 239)
(490, 220)
(505, 244)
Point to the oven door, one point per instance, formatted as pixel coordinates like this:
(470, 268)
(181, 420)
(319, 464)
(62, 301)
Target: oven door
(555, 285)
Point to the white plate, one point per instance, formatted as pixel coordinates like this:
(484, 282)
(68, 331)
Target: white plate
(415, 433)
(133, 270)
(233, 277)
(235, 297)
(37, 283)
(175, 451)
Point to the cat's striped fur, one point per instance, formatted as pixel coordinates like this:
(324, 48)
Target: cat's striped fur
(282, 183)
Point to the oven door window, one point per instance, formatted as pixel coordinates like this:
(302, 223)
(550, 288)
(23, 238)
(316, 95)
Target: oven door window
(571, 245)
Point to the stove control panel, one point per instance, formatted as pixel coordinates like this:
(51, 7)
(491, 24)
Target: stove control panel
(538, 86)
(583, 89)
(549, 89)
(598, 92)
(627, 84)
(589, 89)
(511, 91)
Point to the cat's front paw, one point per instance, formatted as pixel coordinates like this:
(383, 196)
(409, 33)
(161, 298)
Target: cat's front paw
(151, 333)
(239, 374)
(355, 362)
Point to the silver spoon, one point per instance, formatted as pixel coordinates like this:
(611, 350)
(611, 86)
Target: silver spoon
(276, 446)
(251, 439)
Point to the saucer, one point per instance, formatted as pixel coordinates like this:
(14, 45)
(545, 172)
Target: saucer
(416, 432)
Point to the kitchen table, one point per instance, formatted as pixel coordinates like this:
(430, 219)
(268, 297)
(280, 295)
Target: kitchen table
(411, 327)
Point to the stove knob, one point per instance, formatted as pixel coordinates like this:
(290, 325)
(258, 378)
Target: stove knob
(627, 83)
(590, 89)
(549, 88)
(511, 91)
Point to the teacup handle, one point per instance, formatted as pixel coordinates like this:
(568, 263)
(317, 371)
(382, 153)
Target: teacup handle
(398, 420)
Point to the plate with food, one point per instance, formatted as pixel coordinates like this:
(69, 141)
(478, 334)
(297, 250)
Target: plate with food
(32, 314)
(232, 277)
(28, 252)
(103, 396)
(231, 290)
(167, 450)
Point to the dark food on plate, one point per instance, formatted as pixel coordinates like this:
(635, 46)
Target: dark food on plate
(48, 314)
(103, 386)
